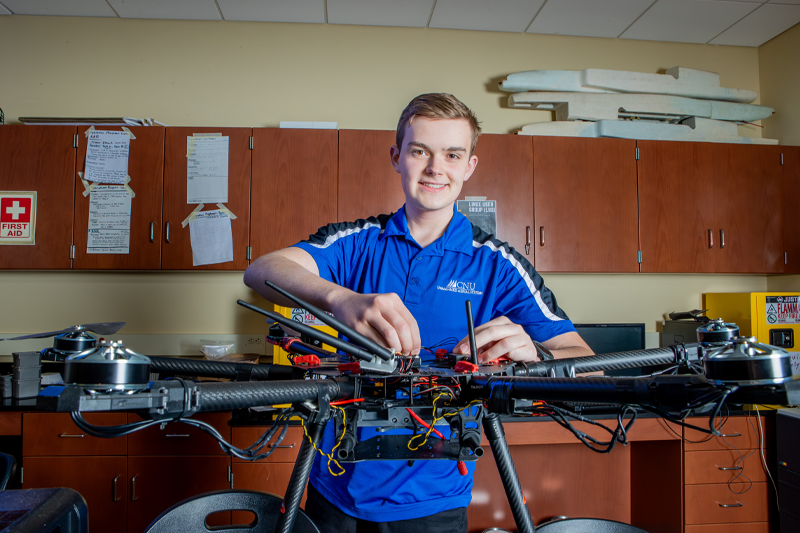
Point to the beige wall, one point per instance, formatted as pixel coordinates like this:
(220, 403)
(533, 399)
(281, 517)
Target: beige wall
(779, 68)
(257, 74)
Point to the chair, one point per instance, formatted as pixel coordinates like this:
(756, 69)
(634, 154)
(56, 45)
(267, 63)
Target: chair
(189, 516)
(8, 467)
(587, 525)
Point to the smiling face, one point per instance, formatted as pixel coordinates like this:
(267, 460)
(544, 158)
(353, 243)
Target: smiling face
(434, 162)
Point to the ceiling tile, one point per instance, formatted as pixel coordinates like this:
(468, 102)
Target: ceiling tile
(65, 8)
(413, 13)
(760, 26)
(273, 10)
(167, 9)
(687, 21)
(489, 15)
(588, 18)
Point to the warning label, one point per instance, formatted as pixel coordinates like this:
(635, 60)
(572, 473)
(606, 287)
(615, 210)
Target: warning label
(783, 310)
(304, 317)
(17, 217)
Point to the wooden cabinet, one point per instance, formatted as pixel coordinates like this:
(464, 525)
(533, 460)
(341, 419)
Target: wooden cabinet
(791, 217)
(177, 247)
(293, 187)
(707, 207)
(725, 484)
(146, 169)
(41, 159)
(585, 205)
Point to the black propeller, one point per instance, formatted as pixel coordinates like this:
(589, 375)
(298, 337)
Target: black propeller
(101, 328)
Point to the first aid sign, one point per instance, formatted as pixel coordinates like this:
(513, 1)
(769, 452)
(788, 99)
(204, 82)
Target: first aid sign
(17, 217)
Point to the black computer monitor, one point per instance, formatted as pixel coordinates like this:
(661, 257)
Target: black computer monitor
(611, 338)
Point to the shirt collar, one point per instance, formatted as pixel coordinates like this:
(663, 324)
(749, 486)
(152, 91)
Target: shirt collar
(457, 237)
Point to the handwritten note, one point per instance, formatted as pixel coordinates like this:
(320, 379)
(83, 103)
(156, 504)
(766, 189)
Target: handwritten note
(207, 170)
(107, 157)
(109, 220)
(211, 237)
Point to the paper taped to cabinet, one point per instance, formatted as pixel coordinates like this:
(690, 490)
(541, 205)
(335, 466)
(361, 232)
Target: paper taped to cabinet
(211, 236)
(109, 220)
(107, 157)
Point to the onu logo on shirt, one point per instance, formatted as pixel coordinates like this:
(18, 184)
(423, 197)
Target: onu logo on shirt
(462, 287)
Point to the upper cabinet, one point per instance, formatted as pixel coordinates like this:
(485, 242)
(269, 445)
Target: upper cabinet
(505, 174)
(585, 205)
(294, 186)
(368, 184)
(39, 159)
(146, 171)
(707, 207)
(176, 238)
(791, 192)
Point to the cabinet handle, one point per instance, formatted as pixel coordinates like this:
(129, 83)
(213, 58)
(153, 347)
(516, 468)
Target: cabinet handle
(541, 235)
(710, 238)
(67, 435)
(729, 468)
(167, 233)
(722, 238)
(178, 435)
(528, 240)
(134, 497)
(114, 496)
(282, 446)
(152, 231)
(726, 505)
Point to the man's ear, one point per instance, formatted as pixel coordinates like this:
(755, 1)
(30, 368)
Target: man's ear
(473, 162)
(394, 154)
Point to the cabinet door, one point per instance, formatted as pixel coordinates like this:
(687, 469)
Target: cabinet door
(146, 170)
(100, 480)
(748, 204)
(294, 186)
(56, 434)
(179, 439)
(266, 477)
(676, 199)
(41, 159)
(157, 483)
(585, 205)
(791, 193)
(177, 240)
(368, 184)
(505, 174)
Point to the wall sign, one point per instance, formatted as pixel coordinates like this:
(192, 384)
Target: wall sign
(17, 217)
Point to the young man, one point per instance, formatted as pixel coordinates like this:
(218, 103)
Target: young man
(402, 280)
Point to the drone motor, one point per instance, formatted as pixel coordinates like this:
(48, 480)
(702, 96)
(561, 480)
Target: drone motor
(108, 366)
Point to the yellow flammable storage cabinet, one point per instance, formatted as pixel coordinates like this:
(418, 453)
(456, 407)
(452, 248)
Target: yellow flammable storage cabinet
(279, 356)
(772, 317)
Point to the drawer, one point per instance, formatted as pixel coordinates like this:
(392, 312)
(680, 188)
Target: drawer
(178, 438)
(54, 434)
(287, 450)
(707, 467)
(266, 477)
(743, 435)
(703, 504)
(751, 527)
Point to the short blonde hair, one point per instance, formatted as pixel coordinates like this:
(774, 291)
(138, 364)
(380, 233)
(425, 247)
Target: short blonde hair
(437, 106)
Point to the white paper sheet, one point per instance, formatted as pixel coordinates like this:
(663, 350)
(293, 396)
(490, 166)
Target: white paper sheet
(109, 220)
(212, 238)
(107, 157)
(207, 170)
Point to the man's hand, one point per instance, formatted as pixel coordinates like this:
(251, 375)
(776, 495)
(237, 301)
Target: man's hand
(380, 317)
(501, 337)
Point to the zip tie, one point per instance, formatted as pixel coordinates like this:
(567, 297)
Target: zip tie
(226, 211)
(192, 215)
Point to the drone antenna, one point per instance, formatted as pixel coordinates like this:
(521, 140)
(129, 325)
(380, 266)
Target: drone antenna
(314, 333)
(473, 348)
(368, 344)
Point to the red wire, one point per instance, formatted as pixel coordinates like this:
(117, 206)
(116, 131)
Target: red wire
(421, 421)
(343, 402)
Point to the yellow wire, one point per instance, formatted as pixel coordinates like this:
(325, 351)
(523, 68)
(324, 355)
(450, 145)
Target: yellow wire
(330, 455)
(436, 419)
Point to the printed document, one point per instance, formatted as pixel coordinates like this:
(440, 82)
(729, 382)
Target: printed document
(107, 157)
(207, 170)
(109, 220)
(211, 237)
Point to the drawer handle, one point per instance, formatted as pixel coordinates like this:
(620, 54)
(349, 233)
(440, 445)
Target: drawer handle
(729, 467)
(732, 435)
(133, 489)
(114, 496)
(178, 435)
(67, 435)
(528, 240)
(737, 504)
(282, 446)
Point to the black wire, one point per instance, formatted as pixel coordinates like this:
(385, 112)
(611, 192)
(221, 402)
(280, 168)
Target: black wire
(620, 434)
(2, 117)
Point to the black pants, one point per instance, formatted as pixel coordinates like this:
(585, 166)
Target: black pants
(329, 519)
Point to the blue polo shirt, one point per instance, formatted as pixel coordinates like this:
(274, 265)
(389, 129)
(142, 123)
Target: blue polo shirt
(379, 255)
